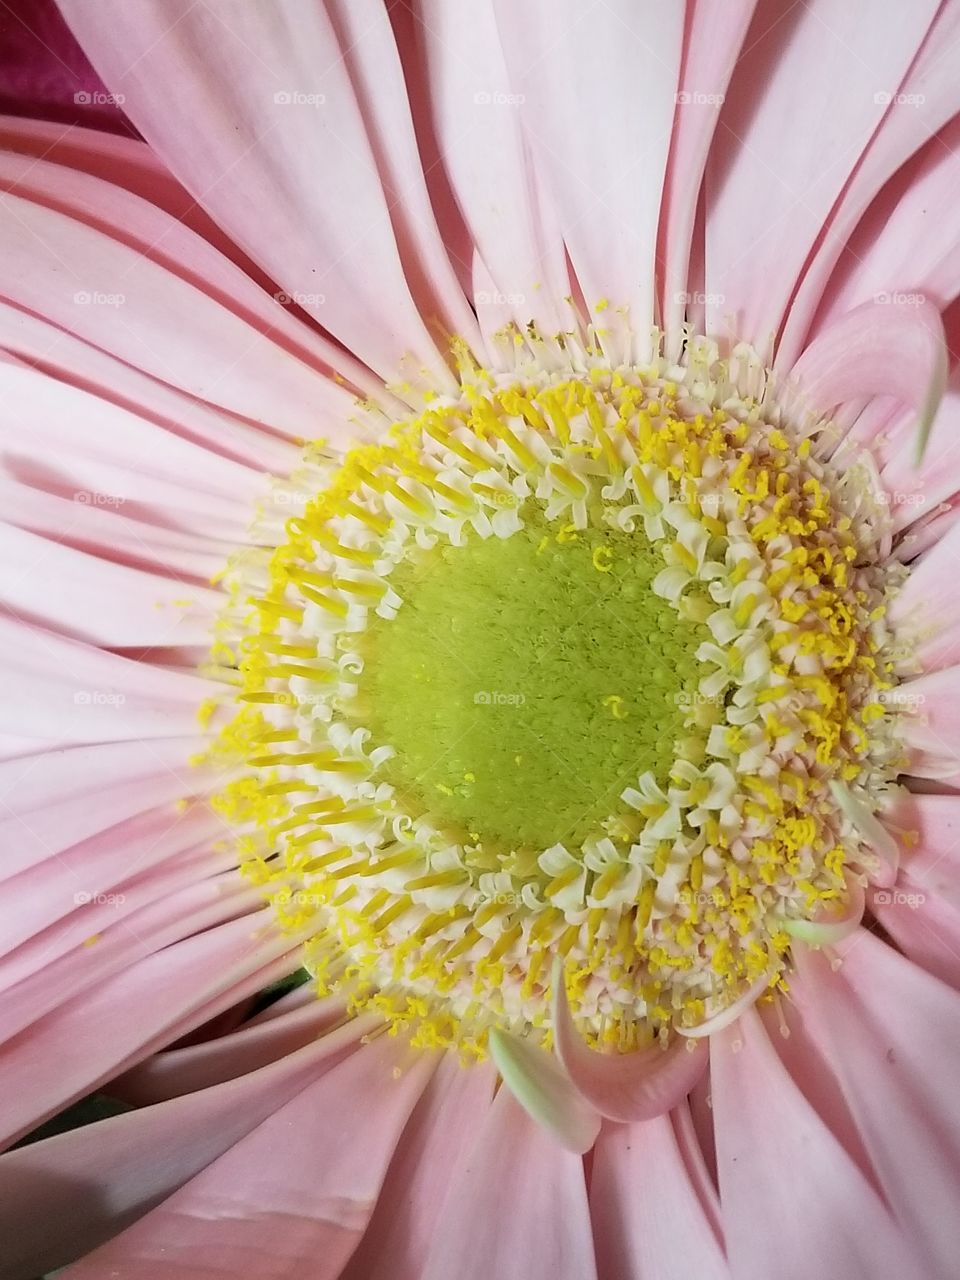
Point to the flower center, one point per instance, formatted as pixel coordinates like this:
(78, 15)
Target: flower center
(588, 666)
(526, 681)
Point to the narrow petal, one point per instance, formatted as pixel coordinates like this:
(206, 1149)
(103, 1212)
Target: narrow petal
(64, 1196)
(521, 1218)
(928, 606)
(897, 350)
(625, 1086)
(408, 1214)
(888, 1032)
(73, 1050)
(475, 115)
(830, 1221)
(333, 246)
(930, 85)
(567, 64)
(298, 1216)
(542, 1088)
(757, 245)
(712, 42)
(647, 1217)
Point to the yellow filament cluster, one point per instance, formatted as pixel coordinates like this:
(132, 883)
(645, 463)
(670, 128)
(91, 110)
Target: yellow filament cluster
(680, 900)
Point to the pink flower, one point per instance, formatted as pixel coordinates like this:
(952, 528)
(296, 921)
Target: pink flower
(470, 528)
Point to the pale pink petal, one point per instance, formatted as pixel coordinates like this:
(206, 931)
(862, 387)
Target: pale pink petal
(925, 927)
(385, 85)
(906, 247)
(74, 1049)
(407, 1217)
(87, 598)
(290, 1200)
(102, 530)
(625, 1086)
(70, 359)
(926, 99)
(793, 1202)
(477, 123)
(94, 941)
(56, 437)
(63, 691)
(131, 854)
(888, 1032)
(928, 605)
(252, 1045)
(929, 829)
(332, 244)
(51, 802)
(713, 37)
(770, 184)
(517, 1208)
(896, 350)
(916, 491)
(569, 63)
(120, 273)
(70, 1193)
(930, 721)
(647, 1217)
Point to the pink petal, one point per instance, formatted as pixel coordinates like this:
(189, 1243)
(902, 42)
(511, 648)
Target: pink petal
(793, 1202)
(66, 692)
(930, 827)
(757, 247)
(76, 1048)
(407, 1217)
(53, 801)
(67, 963)
(625, 1086)
(888, 1032)
(91, 599)
(251, 1046)
(712, 42)
(517, 1208)
(70, 1193)
(133, 273)
(928, 605)
(293, 1197)
(605, 183)
(875, 350)
(484, 156)
(908, 251)
(647, 1217)
(335, 245)
(903, 130)
(924, 927)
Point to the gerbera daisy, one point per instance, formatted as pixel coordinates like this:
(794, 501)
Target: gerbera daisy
(480, 746)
